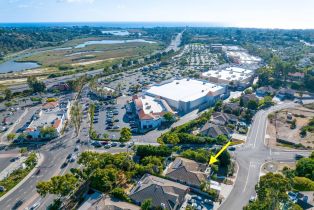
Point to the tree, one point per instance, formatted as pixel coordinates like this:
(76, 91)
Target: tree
(224, 159)
(271, 191)
(48, 132)
(172, 138)
(268, 101)
(35, 85)
(104, 180)
(169, 117)
(8, 94)
(76, 116)
(125, 135)
(305, 168)
(252, 104)
(120, 194)
(58, 185)
(303, 184)
(11, 136)
(146, 205)
(218, 106)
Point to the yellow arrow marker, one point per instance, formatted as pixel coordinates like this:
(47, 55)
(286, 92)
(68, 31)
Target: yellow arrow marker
(213, 159)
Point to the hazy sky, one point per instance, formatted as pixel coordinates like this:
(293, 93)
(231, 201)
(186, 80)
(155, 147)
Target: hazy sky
(242, 13)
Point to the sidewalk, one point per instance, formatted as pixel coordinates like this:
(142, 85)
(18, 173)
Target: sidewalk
(12, 167)
(39, 162)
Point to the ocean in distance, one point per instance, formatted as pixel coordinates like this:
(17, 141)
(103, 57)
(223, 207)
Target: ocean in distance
(112, 24)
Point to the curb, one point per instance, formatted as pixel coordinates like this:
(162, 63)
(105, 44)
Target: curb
(235, 180)
(40, 160)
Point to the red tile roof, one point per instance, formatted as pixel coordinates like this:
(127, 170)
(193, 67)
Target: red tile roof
(50, 105)
(56, 123)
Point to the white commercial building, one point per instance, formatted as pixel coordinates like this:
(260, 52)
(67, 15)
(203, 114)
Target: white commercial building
(150, 111)
(185, 95)
(239, 55)
(52, 115)
(234, 76)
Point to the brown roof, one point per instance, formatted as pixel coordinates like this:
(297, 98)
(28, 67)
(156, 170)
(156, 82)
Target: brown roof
(161, 191)
(50, 105)
(187, 171)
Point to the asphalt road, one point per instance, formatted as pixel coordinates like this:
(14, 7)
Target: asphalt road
(250, 158)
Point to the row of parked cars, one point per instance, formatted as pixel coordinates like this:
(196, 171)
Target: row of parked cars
(110, 121)
(109, 144)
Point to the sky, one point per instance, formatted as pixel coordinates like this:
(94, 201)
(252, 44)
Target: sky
(238, 13)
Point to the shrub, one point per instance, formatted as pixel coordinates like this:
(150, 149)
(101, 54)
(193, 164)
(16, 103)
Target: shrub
(303, 184)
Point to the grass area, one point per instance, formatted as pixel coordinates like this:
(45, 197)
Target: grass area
(101, 52)
(18, 175)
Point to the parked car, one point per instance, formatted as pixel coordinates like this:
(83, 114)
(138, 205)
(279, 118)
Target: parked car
(116, 127)
(114, 144)
(232, 148)
(298, 156)
(2, 189)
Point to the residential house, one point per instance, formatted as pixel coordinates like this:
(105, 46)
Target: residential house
(233, 108)
(98, 201)
(249, 97)
(266, 90)
(213, 130)
(285, 93)
(163, 193)
(188, 172)
(296, 75)
(220, 118)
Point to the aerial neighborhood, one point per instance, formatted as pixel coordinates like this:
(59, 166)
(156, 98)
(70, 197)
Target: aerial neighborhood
(151, 117)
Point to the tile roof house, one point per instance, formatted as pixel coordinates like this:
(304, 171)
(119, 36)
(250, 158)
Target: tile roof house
(98, 201)
(220, 118)
(285, 93)
(249, 97)
(163, 193)
(266, 90)
(213, 130)
(232, 108)
(187, 172)
(296, 75)
(50, 105)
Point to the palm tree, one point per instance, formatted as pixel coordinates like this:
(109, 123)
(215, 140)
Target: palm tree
(76, 116)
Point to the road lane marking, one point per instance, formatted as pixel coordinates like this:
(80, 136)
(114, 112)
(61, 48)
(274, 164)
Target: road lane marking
(247, 178)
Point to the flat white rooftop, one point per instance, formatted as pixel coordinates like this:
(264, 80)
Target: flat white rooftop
(151, 105)
(46, 119)
(244, 57)
(184, 90)
(230, 74)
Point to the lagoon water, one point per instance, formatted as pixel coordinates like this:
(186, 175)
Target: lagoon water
(112, 42)
(12, 65)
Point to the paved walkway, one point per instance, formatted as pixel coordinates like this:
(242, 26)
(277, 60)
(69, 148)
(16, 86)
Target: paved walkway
(12, 167)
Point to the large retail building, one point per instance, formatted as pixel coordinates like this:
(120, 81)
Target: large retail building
(185, 95)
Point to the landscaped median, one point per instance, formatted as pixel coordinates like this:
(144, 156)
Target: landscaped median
(19, 174)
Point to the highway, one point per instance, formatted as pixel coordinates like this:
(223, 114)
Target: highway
(251, 156)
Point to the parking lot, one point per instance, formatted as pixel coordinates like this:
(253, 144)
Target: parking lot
(109, 119)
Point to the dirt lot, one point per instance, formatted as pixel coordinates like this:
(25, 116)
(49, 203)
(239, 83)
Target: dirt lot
(280, 126)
